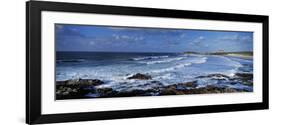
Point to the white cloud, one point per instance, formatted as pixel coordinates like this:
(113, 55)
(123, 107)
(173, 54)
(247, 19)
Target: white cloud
(236, 38)
(92, 43)
(126, 37)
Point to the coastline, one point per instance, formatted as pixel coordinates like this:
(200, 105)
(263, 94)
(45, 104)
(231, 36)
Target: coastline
(243, 55)
(89, 88)
(142, 83)
(240, 56)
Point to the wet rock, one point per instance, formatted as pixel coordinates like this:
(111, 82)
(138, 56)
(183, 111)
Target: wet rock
(156, 82)
(79, 88)
(153, 84)
(105, 92)
(172, 90)
(60, 82)
(248, 83)
(230, 90)
(238, 78)
(135, 92)
(94, 82)
(245, 76)
(71, 92)
(215, 76)
(76, 88)
(72, 81)
(191, 84)
(177, 89)
(218, 75)
(214, 89)
(140, 76)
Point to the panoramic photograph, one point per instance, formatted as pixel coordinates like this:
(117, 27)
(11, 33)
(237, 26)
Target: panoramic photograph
(112, 61)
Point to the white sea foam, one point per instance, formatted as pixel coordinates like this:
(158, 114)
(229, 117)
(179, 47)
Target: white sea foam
(170, 68)
(201, 60)
(167, 70)
(233, 63)
(229, 62)
(163, 61)
(182, 65)
(149, 57)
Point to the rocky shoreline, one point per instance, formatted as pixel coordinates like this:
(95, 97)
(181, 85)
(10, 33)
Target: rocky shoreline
(87, 88)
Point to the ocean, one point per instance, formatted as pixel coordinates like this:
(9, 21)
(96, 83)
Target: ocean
(114, 68)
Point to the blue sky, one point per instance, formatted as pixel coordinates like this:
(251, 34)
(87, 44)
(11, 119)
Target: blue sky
(126, 39)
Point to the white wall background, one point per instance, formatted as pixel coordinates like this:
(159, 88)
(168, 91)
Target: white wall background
(12, 64)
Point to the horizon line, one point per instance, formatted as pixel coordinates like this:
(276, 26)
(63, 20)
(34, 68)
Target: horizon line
(157, 52)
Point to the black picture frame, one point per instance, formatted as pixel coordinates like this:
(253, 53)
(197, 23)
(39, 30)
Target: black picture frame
(33, 61)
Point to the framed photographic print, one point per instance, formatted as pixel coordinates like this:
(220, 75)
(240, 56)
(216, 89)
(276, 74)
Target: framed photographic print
(95, 62)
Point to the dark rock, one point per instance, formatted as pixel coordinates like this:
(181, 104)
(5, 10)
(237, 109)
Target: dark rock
(105, 91)
(153, 84)
(140, 76)
(157, 82)
(172, 90)
(218, 75)
(135, 92)
(214, 89)
(77, 88)
(178, 89)
(93, 82)
(230, 90)
(60, 82)
(72, 81)
(233, 83)
(215, 76)
(70, 92)
(191, 84)
(248, 83)
(247, 76)
(238, 78)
